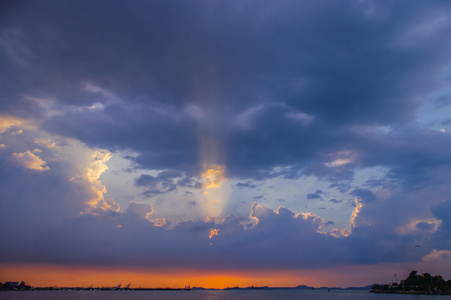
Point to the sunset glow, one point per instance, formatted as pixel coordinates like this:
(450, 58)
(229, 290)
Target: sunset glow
(213, 176)
(84, 276)
(224, 143)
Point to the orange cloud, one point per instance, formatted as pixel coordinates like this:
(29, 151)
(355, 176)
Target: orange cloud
(46, 142)
(159, 222)
(213, 232)
(108, 204)
(213, 176)
(355, 212)
(17, 132)
(93, 172)
(30, 161)
(9, 121)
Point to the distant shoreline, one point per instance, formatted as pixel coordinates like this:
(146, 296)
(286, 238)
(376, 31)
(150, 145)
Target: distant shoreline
(16, 286)
(422, 292)
(414, 284)
(100, 289)
(298, 288)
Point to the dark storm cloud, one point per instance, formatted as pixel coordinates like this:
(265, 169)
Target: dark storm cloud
(280, 239)
(50, 229)
(286, 89)
(311, 74)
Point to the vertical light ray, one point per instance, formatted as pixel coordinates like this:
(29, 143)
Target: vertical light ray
(205, 98)
(215, 191)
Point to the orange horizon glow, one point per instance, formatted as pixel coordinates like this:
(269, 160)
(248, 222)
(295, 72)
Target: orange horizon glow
(85, 276)
(41, 275)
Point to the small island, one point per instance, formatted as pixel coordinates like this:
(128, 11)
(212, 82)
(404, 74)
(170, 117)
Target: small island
(14, 286)
(416, 284)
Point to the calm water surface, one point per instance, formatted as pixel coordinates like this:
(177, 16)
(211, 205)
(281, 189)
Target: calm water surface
(210, 295)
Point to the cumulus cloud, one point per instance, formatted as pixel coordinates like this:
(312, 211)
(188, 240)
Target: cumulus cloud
(30, 161)
(7, 121)
(415, 225)
(142, 210)
(276, 99)
(46, 142)
(267, 238)
(20, 131)
(213, 176)
(106, 205)
(291, 239)
(93, 172)
(438, 255)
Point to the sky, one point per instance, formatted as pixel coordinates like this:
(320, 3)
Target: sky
(221, 143)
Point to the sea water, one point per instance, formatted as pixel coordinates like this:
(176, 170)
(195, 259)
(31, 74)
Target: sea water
(210, 295)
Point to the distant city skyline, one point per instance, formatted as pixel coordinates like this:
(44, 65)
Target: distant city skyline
(223, 143)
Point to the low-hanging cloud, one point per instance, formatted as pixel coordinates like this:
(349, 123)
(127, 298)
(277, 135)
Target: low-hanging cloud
(30, 161)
